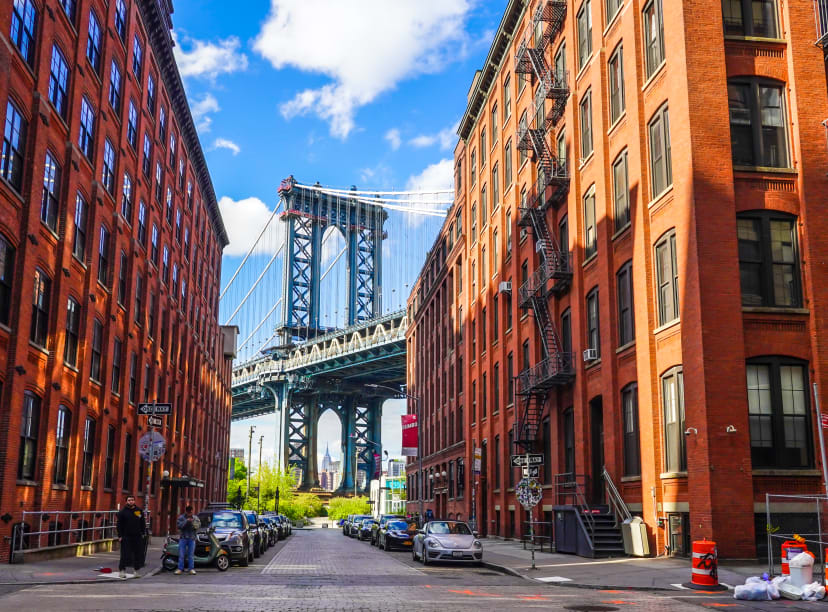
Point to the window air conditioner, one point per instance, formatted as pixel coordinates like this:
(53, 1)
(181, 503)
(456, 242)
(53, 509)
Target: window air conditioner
(505, 287)
(590, 354)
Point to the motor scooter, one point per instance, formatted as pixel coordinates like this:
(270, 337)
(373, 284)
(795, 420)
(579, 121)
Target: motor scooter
(208, 552)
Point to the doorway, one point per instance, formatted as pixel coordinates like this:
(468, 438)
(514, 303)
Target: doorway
(596, 419)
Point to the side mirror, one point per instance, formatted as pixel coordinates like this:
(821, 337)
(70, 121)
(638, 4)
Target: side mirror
(475, 534)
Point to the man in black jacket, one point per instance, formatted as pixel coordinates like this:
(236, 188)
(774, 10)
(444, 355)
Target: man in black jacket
(131, 531)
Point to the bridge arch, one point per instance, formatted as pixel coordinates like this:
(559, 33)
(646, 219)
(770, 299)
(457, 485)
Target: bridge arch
(334, 285)
(331, 431)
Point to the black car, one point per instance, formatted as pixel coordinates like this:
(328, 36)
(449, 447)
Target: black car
(380, 524)
(355, 524)
(274, 530)
(396, 533)
(266, 529)
(287, 524)
(346, 525)
(256, 534)
(231, 529)
(364, 528)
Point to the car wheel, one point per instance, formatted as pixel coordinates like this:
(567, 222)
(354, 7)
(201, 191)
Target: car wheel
(414, 554)
(223, 563)
(380, 545)
(247, 559)
(424, 557)
(169, 563)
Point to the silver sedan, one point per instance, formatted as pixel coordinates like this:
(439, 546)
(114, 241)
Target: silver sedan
(447, 541)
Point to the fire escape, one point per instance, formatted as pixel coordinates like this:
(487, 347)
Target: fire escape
(554, 272)
(821, 16)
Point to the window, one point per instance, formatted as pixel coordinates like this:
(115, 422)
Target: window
(30, 419)
(497, 462)
(507, 163)
(58, 81)
(653, 36)
(108, 173)
(750, 18)
(172, 150)
(507, 98)
(137, 58)
(151, 94)
(510, 374)
(120, 19)
(139, 297)
(569, 441)
(484, 398)
(494, 124)
(162, 124)
(79, 240)
(484, 215)
(126, 199)
(97, 349)
(62, 435)
(757, 124)
(146, 162)
(86, 138)
(616, 83)
(40, 309)
(132, 124)
(613, 6)
(483, 320)
(154, 245)
(474, 222)
(495, 253)
(93, 42)
(672, 398)
(586, 126)
(122, 279)
(165, 268)
(110, 456)
(473, 168)
(626, 325)
(496, 388)
(508, 233)
(117, 351)
(103, 257)
(159, 180)
(6, 278)
(780, 431)
(632, 455)
(590, 228)
(142, 223)
(593, 329)
(51, 187)
(178, 226)
(768, 260)
(495, 187)
(523, 154)
(70, 349)
(525, 355)
(69, 9)
(14, 145)
(482, 148)
(23, 24)
(566, 332)
(133, 377)
(115, 87)
(88, 451)
(621, 192)
(127, 462)
(169, 205)
(584, 33)
(661, 165)
(667, 279)
(151, 316)
(474, 400)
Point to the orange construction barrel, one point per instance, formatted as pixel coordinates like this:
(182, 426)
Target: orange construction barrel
(790, 549)
(705, 567)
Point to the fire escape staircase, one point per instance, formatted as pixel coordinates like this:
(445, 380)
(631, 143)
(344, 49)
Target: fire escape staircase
(554, 273)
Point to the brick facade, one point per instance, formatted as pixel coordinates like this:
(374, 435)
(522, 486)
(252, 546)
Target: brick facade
(720, 335)
(165, 321)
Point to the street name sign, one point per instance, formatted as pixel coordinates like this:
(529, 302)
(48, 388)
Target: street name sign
(154, 408)
(522, 460)
(531, 471)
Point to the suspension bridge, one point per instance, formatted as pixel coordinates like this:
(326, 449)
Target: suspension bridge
(322, 318)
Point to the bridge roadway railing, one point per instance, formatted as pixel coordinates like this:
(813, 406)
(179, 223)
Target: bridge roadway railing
(369, 334)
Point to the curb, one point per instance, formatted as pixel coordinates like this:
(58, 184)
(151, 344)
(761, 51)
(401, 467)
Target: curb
(24, 584)
(503, 569)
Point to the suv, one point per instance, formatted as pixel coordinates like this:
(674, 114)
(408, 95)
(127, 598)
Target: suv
(231, 530)
(383, 519)
(257, 535)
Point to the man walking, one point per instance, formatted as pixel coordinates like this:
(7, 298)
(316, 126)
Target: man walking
(131, 531)
(188, 523)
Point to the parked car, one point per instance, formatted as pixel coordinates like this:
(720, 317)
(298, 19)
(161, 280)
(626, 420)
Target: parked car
(273, 529)
(447, 541)
(287, 524)
(232, 532)
(356, 524)
(384, 518)
(396, 533)
(208, 552)
(364, 529)
(256, 533)
(346, 526)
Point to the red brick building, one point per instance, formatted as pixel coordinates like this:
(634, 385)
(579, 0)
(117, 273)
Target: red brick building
(635, 279)
(110, 255)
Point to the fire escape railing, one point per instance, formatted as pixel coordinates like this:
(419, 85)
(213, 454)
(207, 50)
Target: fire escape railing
(821, 17)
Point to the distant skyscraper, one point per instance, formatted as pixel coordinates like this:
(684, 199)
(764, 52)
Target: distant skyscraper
(326, 460)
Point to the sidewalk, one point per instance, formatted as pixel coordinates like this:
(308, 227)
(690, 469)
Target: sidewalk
(77, 569)
(616, 573)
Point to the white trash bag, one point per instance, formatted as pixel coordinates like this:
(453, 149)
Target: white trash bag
(813, 592)
(754, 589)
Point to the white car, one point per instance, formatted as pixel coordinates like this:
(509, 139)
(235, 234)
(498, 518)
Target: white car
(447, 541)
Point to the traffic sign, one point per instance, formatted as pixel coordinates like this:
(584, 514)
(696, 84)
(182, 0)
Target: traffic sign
(154, 421)
(154, 408)
(521, 460)
(529, 493)
(478, 459)
(531, 471)
(151, 446)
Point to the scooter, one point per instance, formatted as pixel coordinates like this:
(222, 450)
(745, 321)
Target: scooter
(207, 553)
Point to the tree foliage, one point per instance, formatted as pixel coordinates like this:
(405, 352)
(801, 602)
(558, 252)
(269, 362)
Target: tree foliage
(269, 479)
(341, 507)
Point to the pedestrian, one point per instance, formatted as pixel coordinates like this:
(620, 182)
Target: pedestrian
(429, 515)
(132, 529)
(188, 523)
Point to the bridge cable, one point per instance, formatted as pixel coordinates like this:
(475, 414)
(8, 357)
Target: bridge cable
(262, 322)
(267, 267)
(253, 248)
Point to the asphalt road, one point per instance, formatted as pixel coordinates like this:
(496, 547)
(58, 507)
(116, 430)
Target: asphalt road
(320, 569)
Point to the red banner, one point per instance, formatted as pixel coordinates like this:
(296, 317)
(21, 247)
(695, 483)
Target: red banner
(409, 435)
(377, 466)
(824, 419)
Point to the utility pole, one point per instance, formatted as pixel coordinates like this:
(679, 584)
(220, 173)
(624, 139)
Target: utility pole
(259, 478)
(249, 461)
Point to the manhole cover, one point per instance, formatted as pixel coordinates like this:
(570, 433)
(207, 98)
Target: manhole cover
(590, 608)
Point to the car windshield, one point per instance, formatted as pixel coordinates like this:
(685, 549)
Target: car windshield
(448, 528)
(251, 517)
(397, 525)
(366, 522)
(224, 520)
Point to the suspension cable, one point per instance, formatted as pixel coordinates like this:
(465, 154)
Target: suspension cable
(262, 322)
(349, 192)
(256, 284)
(250, 252)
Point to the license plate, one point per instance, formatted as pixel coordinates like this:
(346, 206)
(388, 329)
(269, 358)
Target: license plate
(457, 554)
(406, 543)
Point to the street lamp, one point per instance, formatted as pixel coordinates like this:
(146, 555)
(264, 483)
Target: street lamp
(419, 438)
(356, 458)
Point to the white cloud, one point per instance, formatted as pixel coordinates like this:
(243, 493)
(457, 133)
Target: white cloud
(200, 110)
(370, 46)
(208, 59)
(436, 177)
(244, 220)
(224, 143)
(393, 138)
(446, 138)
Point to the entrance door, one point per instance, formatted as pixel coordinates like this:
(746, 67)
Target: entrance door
(596, 413)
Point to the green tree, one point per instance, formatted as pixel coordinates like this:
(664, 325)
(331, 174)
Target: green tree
(268, 479)
(341, 507)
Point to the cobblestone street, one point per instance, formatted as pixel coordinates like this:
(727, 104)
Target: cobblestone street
(319, 569)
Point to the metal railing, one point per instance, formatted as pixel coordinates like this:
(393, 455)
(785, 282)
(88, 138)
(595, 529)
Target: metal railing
(821, 17)
(616, 503)
(569, 490)
(558, 368)
(63, 527)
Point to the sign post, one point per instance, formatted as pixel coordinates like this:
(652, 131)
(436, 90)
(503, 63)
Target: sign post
(152, 445)
(820, 427)
(529, 491)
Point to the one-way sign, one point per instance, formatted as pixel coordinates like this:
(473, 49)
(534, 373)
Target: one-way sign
(521, 460)
(154, 408)
(531, 471)
(154, 421)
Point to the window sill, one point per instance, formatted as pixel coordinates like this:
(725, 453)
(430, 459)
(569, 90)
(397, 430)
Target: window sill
(59, 487)
(661, 196)
(617, 122)
(524, 316)
(776, 310)
(759, 39)
(786, 472)
(613, 20)
(659, 69)
(671, 475)
(584, 161)
(592, 364)
(622, 230)
(765, 169)
(86, 488)
(584, 67)
(625, 347)
(22, 482)
(666, 326)
(631, 479)
(38, 348)
(590, 259)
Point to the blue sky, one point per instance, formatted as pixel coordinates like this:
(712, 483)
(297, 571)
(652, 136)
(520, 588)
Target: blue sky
(364, 92)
